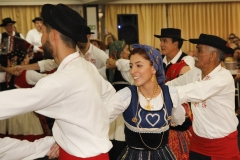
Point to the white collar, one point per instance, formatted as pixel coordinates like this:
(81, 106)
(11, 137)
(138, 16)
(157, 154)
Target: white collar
(67, 59)
(174, 60)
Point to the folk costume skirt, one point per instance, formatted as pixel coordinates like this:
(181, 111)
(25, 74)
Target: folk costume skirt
(26, 126)
(179, 142)
(164, 153)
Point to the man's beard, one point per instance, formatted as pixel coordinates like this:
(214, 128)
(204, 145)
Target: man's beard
(82, 45)
(47, 50)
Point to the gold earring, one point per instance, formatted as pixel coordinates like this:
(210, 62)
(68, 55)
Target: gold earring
(153, 78)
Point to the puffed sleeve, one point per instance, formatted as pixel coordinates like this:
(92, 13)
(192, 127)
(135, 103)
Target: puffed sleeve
(119, 103)
(47, 65)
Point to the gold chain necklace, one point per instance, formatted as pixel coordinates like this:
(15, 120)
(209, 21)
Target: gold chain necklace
(148, 106)
(134, 119)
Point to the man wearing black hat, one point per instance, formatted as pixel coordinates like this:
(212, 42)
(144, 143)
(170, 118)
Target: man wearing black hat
(8, 25)
(73, 95)
(93, 54)
(171, 43)
(86, 50)
(34, 37)
(211, 93)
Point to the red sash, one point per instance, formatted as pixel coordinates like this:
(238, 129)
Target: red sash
(225, 148)
(65, 156)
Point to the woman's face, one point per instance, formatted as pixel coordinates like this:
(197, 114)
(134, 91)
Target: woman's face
(141, 70)
(125, 53)
(110, 40)
(236, 55)
(26, 59)
(95, 43)
(231, 37)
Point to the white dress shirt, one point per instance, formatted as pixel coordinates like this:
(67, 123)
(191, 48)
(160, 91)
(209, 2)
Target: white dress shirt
(188, 59)
(34, 37)
(32, 77)
(94, 55)
(121, 100)
(74, 96)
(14, 149)
(212, 98)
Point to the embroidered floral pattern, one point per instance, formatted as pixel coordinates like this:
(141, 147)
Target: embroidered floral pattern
(203, 103)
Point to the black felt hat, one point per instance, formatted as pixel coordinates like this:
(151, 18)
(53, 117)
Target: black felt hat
(65, 20)
(170, 33)
(37, 19)
(7, 20)
(88, 30)
(213, 41)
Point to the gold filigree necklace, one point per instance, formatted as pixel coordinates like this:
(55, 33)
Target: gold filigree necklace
(135, 120)
(148, 106)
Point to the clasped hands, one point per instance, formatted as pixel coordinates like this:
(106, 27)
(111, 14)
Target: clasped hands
(111, 63)
(16, 70)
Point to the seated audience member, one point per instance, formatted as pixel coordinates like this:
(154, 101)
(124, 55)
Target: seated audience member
(230, 43)
(109, 38)
(236, 55)
(210, 89)
(235, 41)
(99, 44)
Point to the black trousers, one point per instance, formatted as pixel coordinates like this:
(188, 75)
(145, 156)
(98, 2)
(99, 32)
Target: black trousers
(198, 156)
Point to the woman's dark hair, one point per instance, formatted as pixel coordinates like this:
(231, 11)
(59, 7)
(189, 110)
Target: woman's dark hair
(141, 52)
(237, 48)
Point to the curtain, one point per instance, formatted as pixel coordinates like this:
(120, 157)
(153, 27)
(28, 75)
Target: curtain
(219, 19)
(151, 18)
(23, 15)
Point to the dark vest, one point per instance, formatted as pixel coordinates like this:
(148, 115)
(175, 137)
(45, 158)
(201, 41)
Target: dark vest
(117, 78)
(179, 59)
(3, 58)
(187, 123)
(133, 138)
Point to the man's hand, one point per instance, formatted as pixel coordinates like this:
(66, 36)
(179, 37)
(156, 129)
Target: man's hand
(17, 70)
(54, 151)
(111, 63)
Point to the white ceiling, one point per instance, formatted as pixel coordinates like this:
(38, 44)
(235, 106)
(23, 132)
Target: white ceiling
(79, 2)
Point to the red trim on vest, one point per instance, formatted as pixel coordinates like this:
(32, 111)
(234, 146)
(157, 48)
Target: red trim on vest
(174, 70)
(65, 156)
(225, 148)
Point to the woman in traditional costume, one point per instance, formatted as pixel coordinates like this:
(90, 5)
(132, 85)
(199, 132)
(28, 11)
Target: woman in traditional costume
(148, 107)
(26, 126)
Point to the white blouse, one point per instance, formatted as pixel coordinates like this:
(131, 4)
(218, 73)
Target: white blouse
(121, 100)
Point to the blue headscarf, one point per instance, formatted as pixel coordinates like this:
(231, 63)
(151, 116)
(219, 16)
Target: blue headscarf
(156, 58)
